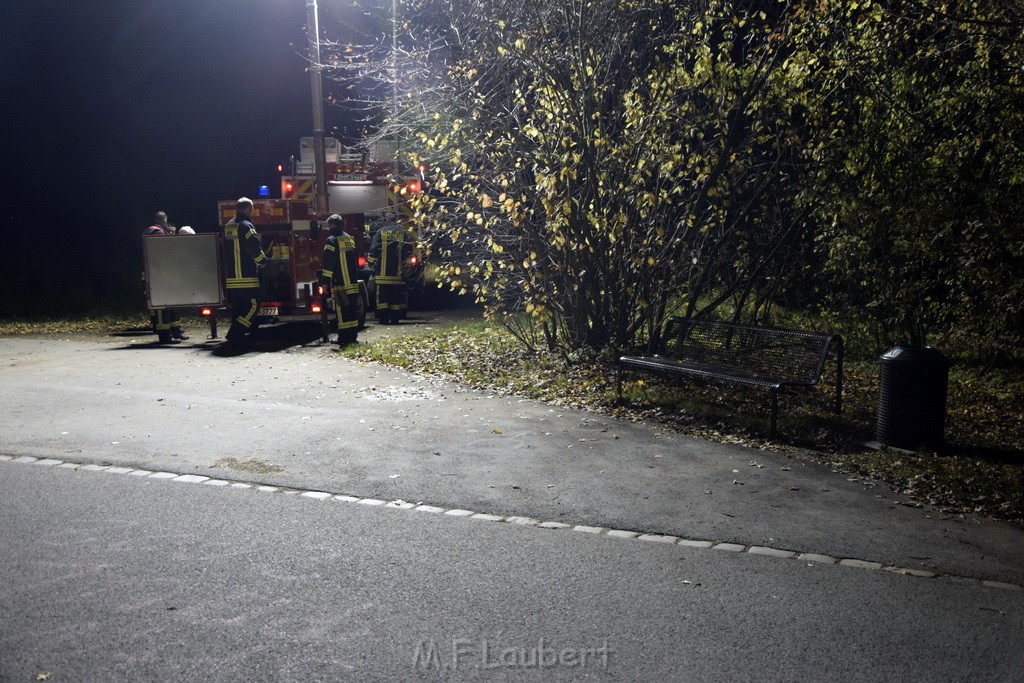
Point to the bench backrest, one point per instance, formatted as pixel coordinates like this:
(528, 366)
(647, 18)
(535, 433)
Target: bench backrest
(789, 356)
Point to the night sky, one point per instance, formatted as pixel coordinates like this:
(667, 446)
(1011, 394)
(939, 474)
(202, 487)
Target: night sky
(114, 109)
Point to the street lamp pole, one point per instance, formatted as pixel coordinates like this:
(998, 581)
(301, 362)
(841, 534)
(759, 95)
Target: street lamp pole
(316, 86)
(394, 100)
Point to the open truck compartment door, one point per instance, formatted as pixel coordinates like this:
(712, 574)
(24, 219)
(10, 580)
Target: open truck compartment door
(182, 271)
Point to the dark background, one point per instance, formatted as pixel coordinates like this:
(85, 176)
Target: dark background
(115, 109)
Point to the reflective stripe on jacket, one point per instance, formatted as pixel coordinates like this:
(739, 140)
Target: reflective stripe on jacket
(341, 263)
(242, 253)
(388, 252)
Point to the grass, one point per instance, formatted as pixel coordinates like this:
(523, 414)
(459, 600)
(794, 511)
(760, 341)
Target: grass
(92, 324)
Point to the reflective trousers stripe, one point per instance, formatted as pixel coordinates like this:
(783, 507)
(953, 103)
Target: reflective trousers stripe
(246, 320)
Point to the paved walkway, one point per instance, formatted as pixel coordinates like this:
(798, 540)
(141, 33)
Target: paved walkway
(305, 419)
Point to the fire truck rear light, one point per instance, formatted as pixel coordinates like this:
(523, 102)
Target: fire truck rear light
(316, 308)
(413, 260)
(320, 290)
(206, 312)
(362, 261)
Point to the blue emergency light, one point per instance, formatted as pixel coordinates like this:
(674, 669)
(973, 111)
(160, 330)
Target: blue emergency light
(264, 190)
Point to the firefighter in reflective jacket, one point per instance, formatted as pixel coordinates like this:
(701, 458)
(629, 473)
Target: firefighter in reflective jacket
(340, 268)
(242, 258)
(389, 251)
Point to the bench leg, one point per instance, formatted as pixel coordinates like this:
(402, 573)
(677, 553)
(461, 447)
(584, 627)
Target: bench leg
(618, 391)
(839, 377)
(775, 410)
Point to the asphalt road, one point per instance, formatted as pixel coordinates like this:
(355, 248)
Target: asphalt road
(755, 565)
(111, 576)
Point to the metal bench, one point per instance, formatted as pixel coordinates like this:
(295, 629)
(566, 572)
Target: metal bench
(741, 354)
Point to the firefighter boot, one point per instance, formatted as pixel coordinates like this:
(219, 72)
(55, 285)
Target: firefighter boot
(179, 334)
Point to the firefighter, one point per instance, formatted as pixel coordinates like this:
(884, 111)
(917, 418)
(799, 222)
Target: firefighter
(165, 321)
(340, 268)
(389, 251)
(243, 257)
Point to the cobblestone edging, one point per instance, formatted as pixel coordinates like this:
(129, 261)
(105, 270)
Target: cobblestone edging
(625, 534)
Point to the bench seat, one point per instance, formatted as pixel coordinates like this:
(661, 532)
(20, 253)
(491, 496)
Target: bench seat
(765, 357)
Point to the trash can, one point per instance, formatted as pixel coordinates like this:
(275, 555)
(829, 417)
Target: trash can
(912, 399)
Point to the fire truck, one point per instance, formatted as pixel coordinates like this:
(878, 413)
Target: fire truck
(293, 239)
(183, 272)
(362, 188)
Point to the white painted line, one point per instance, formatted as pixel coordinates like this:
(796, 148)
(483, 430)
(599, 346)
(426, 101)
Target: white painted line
(522, 521)
(190, 478)
(814, 557)
(861, 564)
(659, 538)
(487, 518)
(907, 571)
(771, 552)
(729, 547)
(623, 534)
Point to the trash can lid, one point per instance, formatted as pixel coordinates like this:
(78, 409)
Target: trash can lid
(922, 355)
